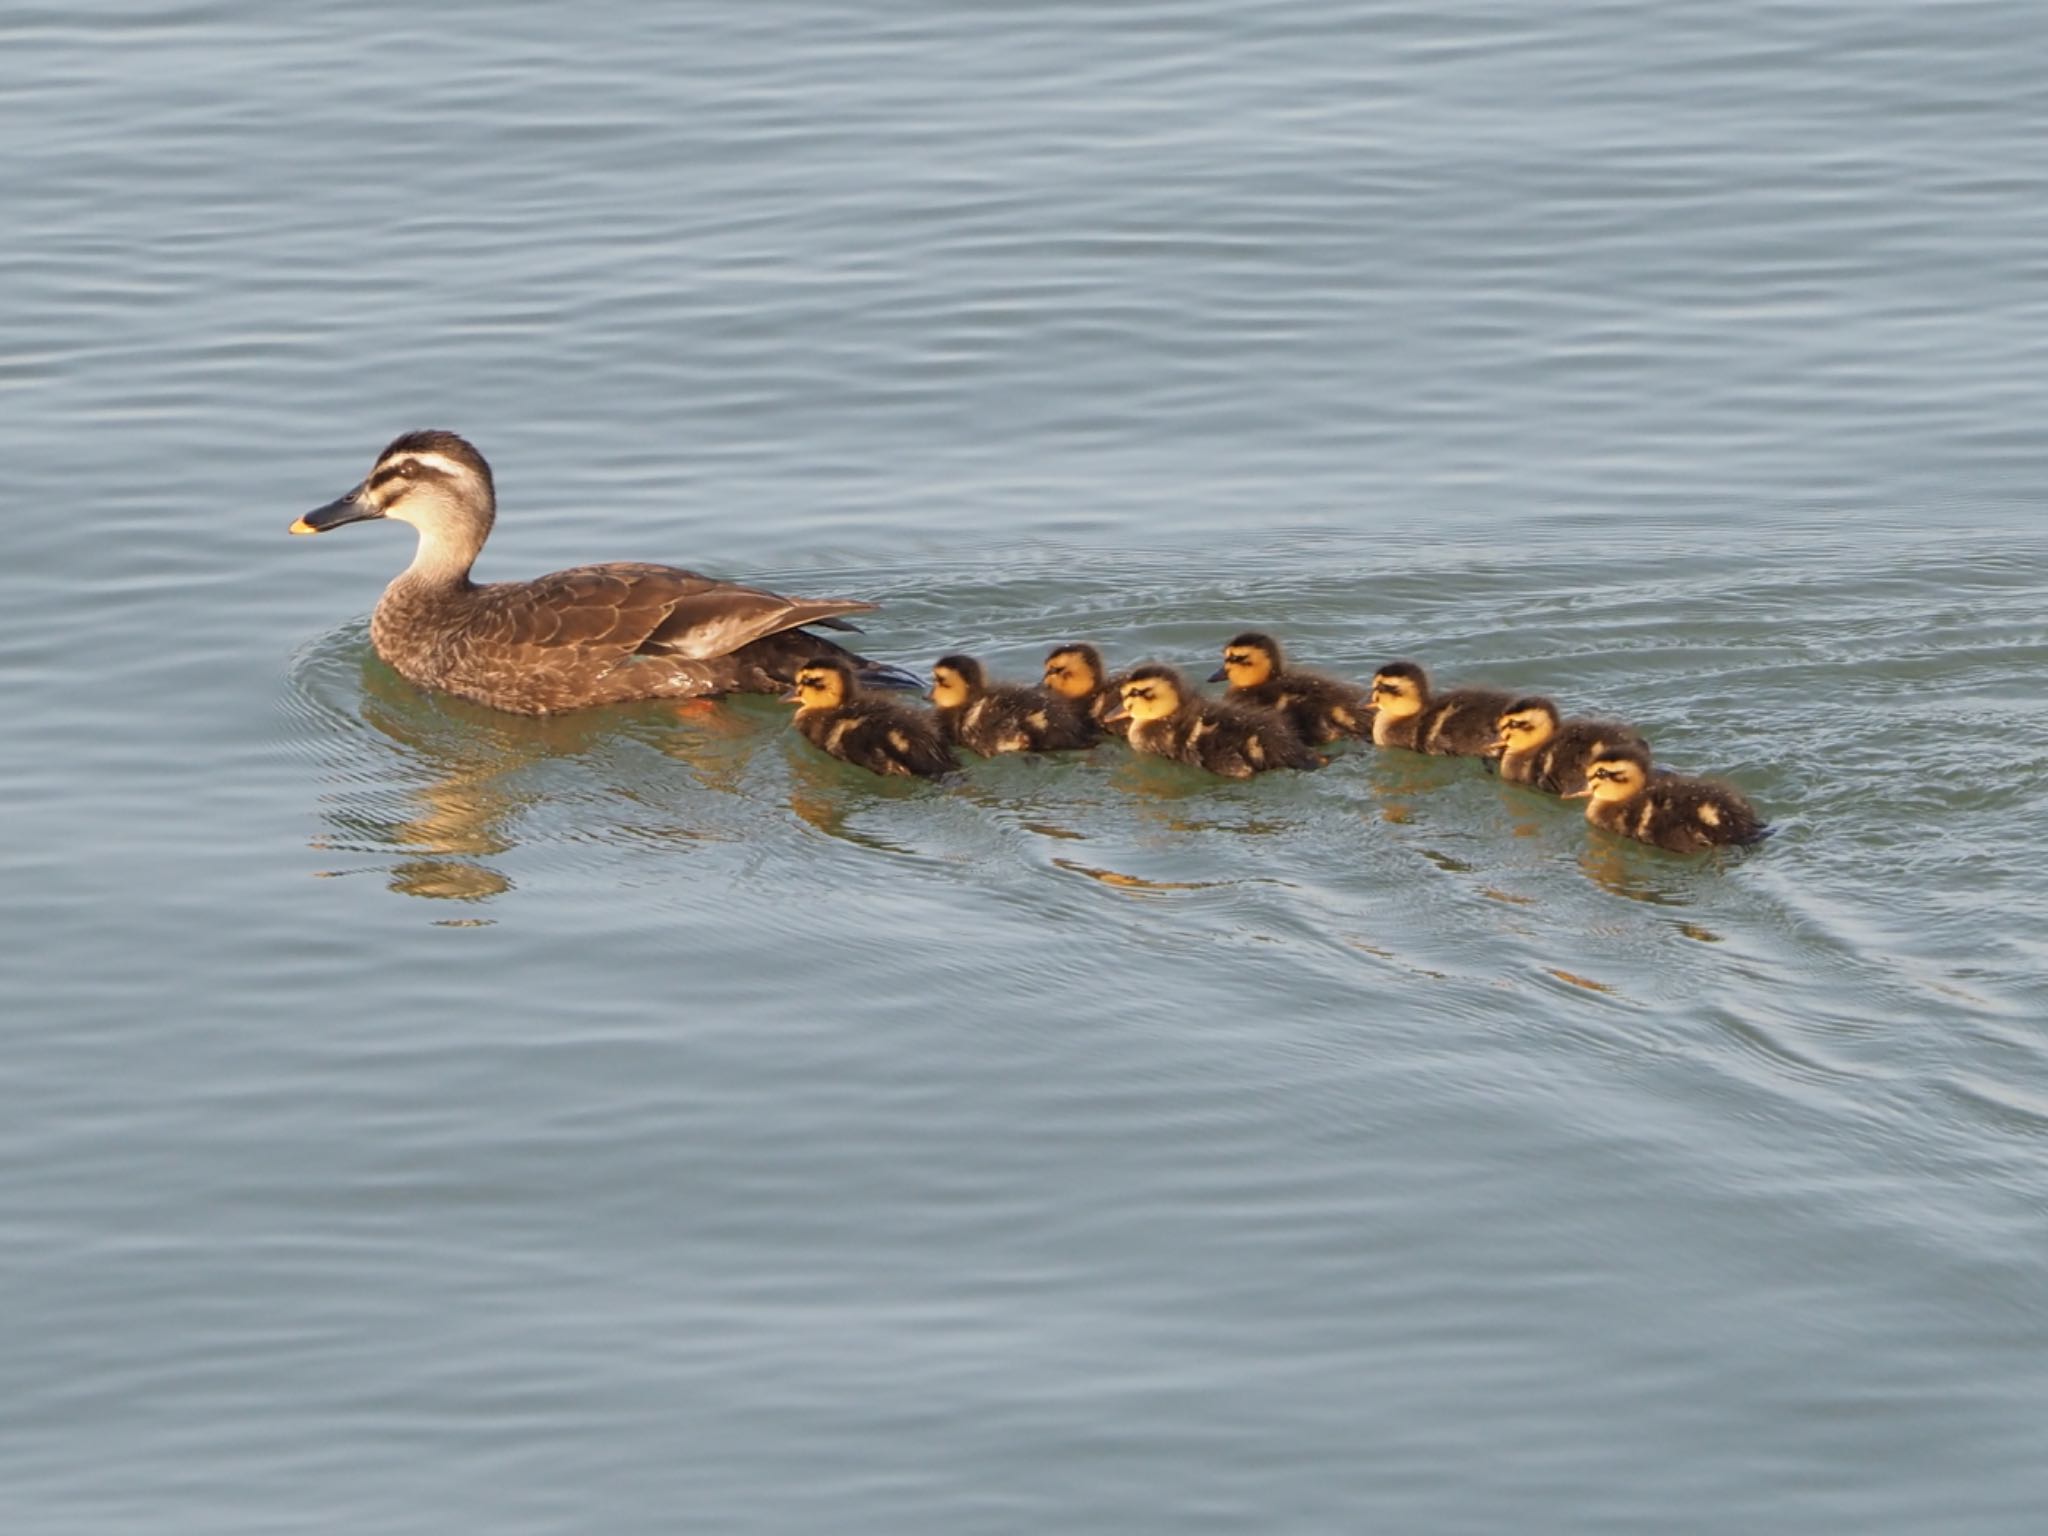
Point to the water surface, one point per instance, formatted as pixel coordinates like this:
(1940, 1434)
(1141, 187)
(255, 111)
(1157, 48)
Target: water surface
(425, 1119)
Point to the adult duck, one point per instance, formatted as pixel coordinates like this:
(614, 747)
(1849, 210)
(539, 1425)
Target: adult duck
(592, 634)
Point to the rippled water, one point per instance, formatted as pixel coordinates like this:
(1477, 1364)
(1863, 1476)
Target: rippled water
(422, 1119)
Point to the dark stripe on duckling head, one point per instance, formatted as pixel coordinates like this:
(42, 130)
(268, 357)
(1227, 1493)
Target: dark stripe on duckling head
(966, 668)
(1252, 640)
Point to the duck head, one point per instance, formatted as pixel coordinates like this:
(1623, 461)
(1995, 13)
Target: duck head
(1400, 689)
(1618, 773)
(1149, 693)
(1074, 671)
(823, 684)
(1248, 661)
(955, 681)
(437, 482)
(1524, 726)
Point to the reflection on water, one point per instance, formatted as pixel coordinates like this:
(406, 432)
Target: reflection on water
(450, 781)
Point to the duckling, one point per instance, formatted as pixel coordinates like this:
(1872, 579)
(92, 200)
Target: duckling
(1461, 723)
(879, 735)
(1234, 740)
(1075, 671)
(593, 634)
(1625, 794)
(988, 720)
(1535, 748)
(1321, 709)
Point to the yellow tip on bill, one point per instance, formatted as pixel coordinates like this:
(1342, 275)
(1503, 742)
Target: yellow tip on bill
(302, 526)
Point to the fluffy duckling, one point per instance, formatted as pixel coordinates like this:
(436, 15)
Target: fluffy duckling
(1461, 723)
(1536, 748)
(1625, 794)
(999, 718)
(877, 734)
(1076, 672)
(1234, 740)
(1321, 709)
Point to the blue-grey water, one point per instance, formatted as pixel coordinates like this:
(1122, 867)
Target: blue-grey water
(425, 1120)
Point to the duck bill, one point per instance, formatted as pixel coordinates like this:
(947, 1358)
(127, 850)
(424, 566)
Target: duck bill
(1579, 794)
(349, 509)
(1117, 716)
(1498, 747)
(790, 697)
(1220, 675)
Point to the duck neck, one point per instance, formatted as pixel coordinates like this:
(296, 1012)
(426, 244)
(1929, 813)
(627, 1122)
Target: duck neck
(443, 558)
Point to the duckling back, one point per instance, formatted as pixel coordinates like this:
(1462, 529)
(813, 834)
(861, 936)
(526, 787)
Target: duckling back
(1014, 718)
(1682, 815)
(1229, 739)
(881, 736)
(1321, 709)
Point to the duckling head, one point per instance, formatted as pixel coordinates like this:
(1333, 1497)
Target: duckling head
(1524, 726)
(1249, 660)
(1400, 689)
(436, 481)
(1616, 774)
(956, 680)
(1149, 693)
(826, 683)
(1074, 671)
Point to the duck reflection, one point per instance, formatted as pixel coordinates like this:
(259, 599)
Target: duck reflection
(450, 791)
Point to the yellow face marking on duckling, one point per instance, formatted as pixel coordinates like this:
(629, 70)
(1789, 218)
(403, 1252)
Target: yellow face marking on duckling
(819, 689)
(1524, 732)
(1396, 698)
(1611, 779)
(949, 688)
(1247, 666)
(1067, 673)
(1150, 698)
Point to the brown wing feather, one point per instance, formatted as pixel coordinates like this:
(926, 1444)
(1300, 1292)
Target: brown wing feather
(624, 608)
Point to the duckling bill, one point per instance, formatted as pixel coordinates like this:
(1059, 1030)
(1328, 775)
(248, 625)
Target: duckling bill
(1536, 748)
(1625, 794)
(593, 634)
(991, 718)
(1167, 719)
(1406, 713)
(837, 717)
(1321, 709)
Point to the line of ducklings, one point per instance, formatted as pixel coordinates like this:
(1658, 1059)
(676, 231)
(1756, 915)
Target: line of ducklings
(1273, 715)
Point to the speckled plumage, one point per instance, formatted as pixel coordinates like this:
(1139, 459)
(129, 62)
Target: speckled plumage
(1102, 701)
(1461, 723)
(1233, 740)
(593, 634)
(1321, 709)
(996, 718)
(1669, 810)
(1557, 765)
(880, 735)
